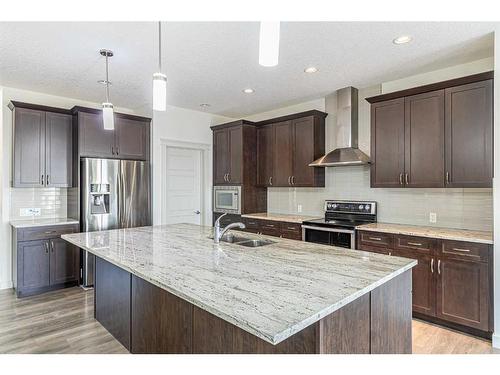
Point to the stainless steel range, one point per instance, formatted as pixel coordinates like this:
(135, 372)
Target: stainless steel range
(337, 228)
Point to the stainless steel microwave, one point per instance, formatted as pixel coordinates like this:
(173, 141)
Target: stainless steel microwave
(227, 199)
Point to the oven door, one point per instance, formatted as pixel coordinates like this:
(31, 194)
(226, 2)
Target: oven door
(329, 236)
(227, 199)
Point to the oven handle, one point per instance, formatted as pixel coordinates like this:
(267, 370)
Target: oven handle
(338, 230)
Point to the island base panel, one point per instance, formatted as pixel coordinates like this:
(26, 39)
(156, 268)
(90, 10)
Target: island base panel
(160, 322)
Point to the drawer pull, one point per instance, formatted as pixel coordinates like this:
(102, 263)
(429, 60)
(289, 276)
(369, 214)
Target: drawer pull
(461, 250)
(292, 228)
(269, 225)
(50, 231)
(414, 243)
(375, 238)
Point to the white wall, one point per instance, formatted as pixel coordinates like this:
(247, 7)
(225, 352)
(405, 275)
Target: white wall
(496, 192)
(179, 124)
(8, 94)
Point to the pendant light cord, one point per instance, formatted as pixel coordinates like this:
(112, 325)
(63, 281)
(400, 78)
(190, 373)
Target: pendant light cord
(159, 46)
(107, 80)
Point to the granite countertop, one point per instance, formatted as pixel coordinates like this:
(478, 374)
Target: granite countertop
(42, 222)
(272, 291)
(280, 217)
(434, 232)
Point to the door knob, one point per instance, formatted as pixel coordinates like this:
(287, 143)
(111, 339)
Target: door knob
(197, 212)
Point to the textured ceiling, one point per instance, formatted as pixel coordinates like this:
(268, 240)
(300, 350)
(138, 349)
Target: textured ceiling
(212, 62)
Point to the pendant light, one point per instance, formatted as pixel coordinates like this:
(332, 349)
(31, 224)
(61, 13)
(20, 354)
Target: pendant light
(159, 82)
(107, 107)
(269, 44)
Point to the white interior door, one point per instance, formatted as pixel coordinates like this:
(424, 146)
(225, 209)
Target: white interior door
(183, 201)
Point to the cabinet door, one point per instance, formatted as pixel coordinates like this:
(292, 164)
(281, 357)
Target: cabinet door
(423, 281)
(235, 155)
(95, 141)
(282, 154)
(265, 155)
(469, 135)
(424, 140)
(132, 139)
(221, 150)
(463, 292)
(64, 259)
(29, 148)
(303, 151)
(33, 264)
(387, 143)
(58, 150)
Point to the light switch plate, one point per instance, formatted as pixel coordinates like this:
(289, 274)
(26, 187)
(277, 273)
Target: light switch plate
(299, 208)
(30, 212)
(432, 217)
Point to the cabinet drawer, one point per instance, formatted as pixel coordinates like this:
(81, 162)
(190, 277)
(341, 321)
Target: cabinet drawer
(471, 251)
(291, 235)
(291, 227)
(42, 233)
(252, 224)
(375, 249)
(420, 244)
(273, 225)
(370, 239)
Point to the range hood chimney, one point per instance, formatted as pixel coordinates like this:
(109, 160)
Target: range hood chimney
(346, 129)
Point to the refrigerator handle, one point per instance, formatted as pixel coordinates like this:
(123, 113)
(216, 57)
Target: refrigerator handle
(119, 194)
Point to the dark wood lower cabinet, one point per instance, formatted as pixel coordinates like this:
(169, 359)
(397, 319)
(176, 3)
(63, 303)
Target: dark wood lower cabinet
(452, 283)
(43, 261)
(282, 229)
(148, 319)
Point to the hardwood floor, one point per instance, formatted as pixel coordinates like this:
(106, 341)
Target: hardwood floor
(63, 322)
(57, 322)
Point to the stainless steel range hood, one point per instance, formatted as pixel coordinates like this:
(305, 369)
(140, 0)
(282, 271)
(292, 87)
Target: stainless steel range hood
(346, 131)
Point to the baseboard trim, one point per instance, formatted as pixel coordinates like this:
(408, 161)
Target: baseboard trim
(495, 340)
(7, 285)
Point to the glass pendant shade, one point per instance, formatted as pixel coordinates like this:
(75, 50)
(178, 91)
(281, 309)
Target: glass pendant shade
(159, 92)
(108, 116)
(269, 44)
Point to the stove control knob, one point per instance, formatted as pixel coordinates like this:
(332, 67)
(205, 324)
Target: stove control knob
(367, 207)
(361, 206)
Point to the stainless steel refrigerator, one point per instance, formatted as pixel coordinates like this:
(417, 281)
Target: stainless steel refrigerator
(114, 194)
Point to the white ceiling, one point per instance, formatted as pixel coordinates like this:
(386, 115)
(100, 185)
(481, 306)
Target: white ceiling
(212, 62)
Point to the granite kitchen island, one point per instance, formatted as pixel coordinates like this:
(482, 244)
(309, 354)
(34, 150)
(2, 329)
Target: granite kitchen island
(171, 289)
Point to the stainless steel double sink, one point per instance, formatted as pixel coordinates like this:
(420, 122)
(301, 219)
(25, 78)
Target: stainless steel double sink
(244, 241)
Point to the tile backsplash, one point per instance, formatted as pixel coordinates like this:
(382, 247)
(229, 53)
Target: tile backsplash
(455, 208)
(52, 202)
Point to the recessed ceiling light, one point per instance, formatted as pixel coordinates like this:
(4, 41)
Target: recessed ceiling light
(204, 105)
(249, 91)
(402, 39)
(311, 69)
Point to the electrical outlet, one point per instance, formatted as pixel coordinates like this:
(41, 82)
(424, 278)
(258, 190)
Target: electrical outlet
(30, 212)
(432, 217)
(299, 208)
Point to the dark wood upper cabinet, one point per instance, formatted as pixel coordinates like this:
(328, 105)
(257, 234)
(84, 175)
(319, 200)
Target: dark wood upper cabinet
(235, 136)
(265, 155)
(221, 160)
(387, 143)
(448, 135)
(29, 147)
(469, 135)
(308, 145)
(424, 140)
(94, 140)
(42, 146)
(131, 139)
(58, 141)
(283, 162)
(128, 140)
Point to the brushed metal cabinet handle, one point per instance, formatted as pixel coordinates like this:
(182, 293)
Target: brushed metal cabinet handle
(289, 178)
(407, 179)
(46, 245)
(432, 265)
(461, 250)
(401, 179)
(42, 180)
(228, 177)
(117, 150)
(414, 243)
(447, 178)
(47, 180)
(375, 238)
(112, 150)
(52, 246)
(439, 266)
(271, 181)
(293, 180)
